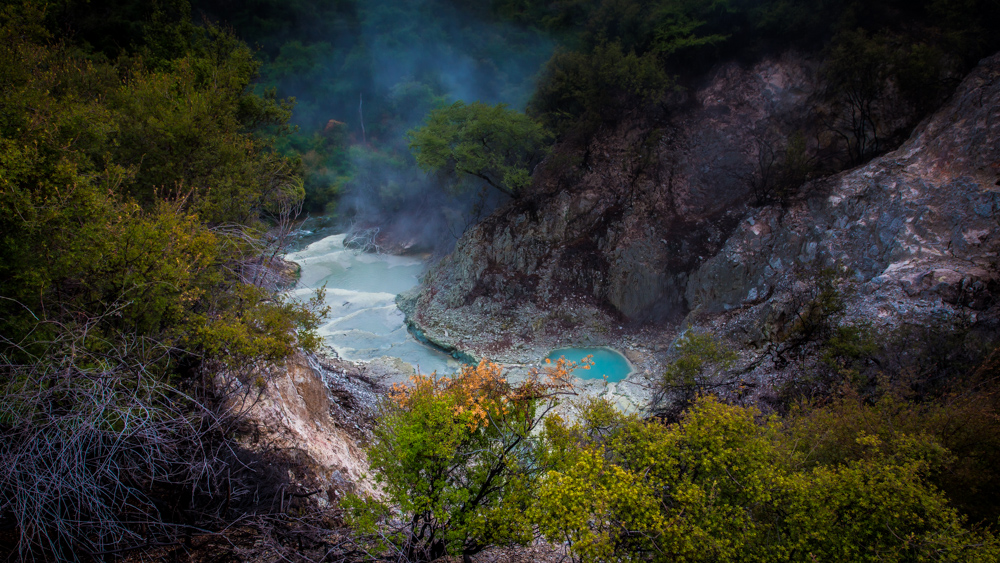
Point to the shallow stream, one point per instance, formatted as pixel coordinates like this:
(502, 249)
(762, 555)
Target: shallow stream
(364, 322)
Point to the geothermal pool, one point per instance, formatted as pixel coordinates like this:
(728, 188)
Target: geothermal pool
(607, 362)
(361, 288)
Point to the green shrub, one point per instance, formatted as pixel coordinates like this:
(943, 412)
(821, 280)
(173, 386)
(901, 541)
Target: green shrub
(699, 365)
(137, 288)
(457, 458)
(719, 486)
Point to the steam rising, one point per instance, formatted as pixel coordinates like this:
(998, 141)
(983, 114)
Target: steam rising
(370, 74)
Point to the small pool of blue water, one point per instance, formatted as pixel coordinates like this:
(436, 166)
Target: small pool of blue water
(607, 362)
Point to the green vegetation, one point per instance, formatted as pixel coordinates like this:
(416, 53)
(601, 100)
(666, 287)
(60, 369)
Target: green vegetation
(720, 486)
(596, 87)
(146, 196)
(493, 143)
(372, 71)
(884, 448)
(617, 54)
(150, 167)
(846, 480)
(888, 62)
(699, 366)
(137, 195)
(458, 458)
(365, 73)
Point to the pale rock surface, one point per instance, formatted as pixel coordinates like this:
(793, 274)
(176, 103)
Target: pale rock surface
(913, 235)
(318, 409)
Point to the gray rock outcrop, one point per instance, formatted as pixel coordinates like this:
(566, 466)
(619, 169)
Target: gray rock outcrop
(914, 233)
(657, 224)
(647, 204)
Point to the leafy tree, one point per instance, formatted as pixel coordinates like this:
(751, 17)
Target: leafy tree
(621, 58)
(968, 26)
(678, 22)
(373, 67)
(592, 88)
(634, 490)
(963, 420)
(157, 30)
(858, 69)
(113, 190)
(780, 167)
(493, 143)
(457, 457)
(876, 509)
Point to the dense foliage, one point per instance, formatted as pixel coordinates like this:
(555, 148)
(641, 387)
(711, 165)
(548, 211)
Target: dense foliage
(888, 62)
(137, 202)
(720, 486)
(458, 457)
(460, 469)
(364, 73)
(498, 145)
(148, 174)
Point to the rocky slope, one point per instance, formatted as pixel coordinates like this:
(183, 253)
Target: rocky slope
(910, 237)
(657, 225)
(613, 237)
(318, 410)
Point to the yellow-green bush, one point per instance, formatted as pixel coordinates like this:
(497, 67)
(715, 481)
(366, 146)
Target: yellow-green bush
(722, 485)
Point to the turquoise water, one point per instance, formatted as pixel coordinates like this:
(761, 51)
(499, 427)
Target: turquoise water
(364, 322)
(607, 362)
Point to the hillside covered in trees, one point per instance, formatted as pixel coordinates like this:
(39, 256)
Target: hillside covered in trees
(786, 210)
(141, 211)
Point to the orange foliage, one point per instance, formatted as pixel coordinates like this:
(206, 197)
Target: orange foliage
(483, 390)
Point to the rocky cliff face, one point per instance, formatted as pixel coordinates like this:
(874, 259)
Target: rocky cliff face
(657, 221)
(911, 236)
(611, 237)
